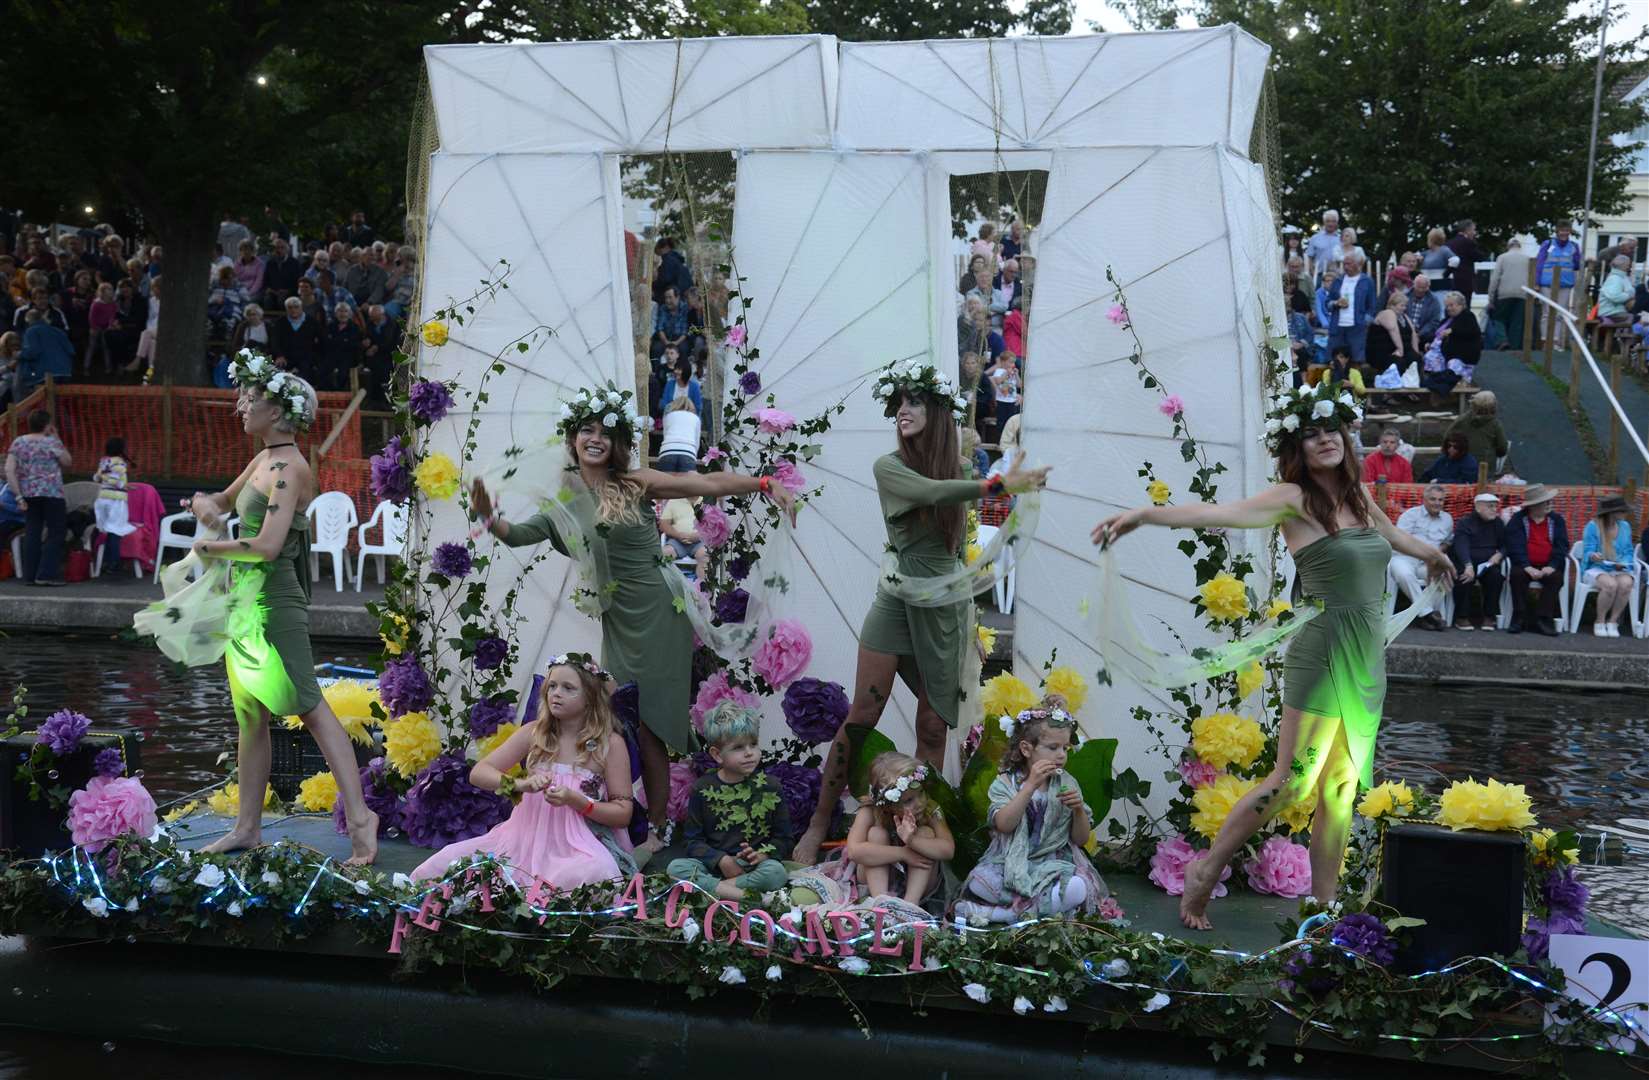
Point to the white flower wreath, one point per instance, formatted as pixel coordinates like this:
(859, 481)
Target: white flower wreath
(913, 377)
(255, 371)
(1324, 405)
(896, 791)
(1055, 718)
(613, 407)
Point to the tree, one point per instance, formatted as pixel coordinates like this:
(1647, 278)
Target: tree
(1408, 114)
(916, 20)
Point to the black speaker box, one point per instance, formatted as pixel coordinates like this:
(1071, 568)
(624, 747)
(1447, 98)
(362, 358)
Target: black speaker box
(1467, 885)
(29, 828)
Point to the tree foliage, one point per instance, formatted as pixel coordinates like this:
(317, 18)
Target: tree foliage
(915, 20)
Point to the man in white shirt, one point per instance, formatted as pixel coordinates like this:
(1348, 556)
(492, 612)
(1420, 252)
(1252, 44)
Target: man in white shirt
(1430, 523)
(1324, 246)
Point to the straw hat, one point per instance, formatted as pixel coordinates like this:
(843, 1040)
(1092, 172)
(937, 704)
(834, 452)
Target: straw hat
(1611, 504)
(1537, 494)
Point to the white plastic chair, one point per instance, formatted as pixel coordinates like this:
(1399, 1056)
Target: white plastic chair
(17, 555)
(94, 543)
(1634, 609)
(172, 538)
(331, 521)
(393, 518)
(1444, 609)
(1640, 621)
(1561, 585)
(1003, 571)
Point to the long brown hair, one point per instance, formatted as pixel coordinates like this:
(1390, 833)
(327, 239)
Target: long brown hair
(597, 728)
(619, 498)
(936, 454)
(1323, 505)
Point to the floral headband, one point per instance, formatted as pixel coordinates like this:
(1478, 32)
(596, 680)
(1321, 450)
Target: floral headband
(909, 378)
(252, 370)
(1325, 406)
(580, 660)
(1058, 718)
(614, 408)
(896, 791)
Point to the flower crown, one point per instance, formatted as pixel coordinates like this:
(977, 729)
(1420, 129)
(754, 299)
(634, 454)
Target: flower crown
(1058, 718)
(580, 660)
(1325, 405)
(912, 377)
(614, 408)
(253, 370)
(896, 791)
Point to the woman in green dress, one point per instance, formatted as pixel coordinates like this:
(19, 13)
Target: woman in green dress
(645, 639)
(271, 666)
(1334, 677)
(921, 491)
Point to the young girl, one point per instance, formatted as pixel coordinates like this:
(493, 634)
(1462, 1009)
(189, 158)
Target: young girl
(896, 844)
(110, 507)
(1038, 824)
(573, 804)
(101, 317)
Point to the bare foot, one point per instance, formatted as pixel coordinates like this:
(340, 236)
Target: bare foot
(654, 842)
(806, 850)
(234, 840)
(363, 842)
(1200, 878)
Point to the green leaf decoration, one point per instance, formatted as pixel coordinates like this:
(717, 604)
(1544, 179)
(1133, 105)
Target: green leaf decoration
(966, 827)
(982, 771)
(1090, 767)
(863, 744)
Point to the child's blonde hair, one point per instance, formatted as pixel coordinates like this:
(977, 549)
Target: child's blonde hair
(593, 735)
(885, 771)
(682, 403)
(1053, 711)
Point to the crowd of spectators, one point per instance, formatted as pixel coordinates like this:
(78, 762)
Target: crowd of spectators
(993, 309)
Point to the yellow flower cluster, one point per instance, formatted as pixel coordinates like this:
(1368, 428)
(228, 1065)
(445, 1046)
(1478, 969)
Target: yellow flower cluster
(437, 476)
(226, 799)
(1068, 684)
(1546, 854)
(411, 742)
(1390, 799)
(1225, 597)
(396, 641)
(318, 793)
(1250, 677)
(987, 638)
(487, 745)
(435, 333)
(1492, 807)
(974, 551)
(1224, 738)
(351, 702)
(1277, 608)
(1005, 695)
(178, 813)
(1159, 492)
(1214, 802)
(1297, 818)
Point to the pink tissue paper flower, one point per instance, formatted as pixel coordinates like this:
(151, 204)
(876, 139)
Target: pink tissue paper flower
(1171, 405)
(1168, 865)
(786, 473)
(110, 806)
(1282, 868)
(772, 421)
(1110, 909)
(1197, 772)
(712, 692)
(712, 454)
(785, 653)
(682, 777)
(735, 336)
(714, 528)
(1118, 314)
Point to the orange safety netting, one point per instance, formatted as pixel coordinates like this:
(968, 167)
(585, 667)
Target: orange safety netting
(1578, 505)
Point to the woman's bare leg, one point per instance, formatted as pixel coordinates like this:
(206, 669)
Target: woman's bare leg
(1331, 825)
(322, 724)
(252, 768)
(872, 683)
(655, 782)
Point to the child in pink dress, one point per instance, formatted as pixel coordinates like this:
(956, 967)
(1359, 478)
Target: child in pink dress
(567, 828)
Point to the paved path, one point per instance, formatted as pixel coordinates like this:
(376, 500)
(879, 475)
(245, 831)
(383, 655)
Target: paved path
(1545, 447)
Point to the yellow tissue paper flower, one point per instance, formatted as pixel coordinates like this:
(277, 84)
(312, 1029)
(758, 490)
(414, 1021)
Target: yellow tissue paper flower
(1224, 738)
(1297, 818)
(1546, 855)
(1215, 801)
(1390, 799)
(489, 743)
(226, 799)
(180, 812)
(1225, 597)
(1250, 677)
(1158, 491)
(410, 743)
(987, 638)
(1006, 695)
(396, 642)
(351, 703)
(1278, 607)
(1068, 684)
(974, 551)
(318, 793)
(437, 476)
(435, 333)
(1492, 807)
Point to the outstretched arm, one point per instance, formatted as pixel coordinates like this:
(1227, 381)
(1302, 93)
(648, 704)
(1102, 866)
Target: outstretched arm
(662, 485)
(1273, 506)
(1406, 544)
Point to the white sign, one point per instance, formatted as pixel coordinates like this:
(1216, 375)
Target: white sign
(1607, 972)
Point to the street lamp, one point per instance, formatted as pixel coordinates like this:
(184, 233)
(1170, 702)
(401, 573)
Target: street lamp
(1293, 32)
(89, 210)
(263, 80)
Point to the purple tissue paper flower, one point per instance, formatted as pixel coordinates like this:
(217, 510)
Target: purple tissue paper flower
(731, 607)
(489, 714)
(404, 687)
(750, 384)
(381, 798)
(392, 472)
(490, 652)
(814, 709)
(63, 731)
(739, 568)
(799, 788)
(443, 807)
(108, 763)
(452, 560)
(702, 762)
(1366, 936)
(429, 400)
(1565, 895)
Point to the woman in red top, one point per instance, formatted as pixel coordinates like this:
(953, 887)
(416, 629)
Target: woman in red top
(1386, 463)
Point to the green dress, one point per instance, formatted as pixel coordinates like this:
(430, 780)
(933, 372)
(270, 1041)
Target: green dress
(1336, 666)
(276, 667)
(644, 639)
(928, 641)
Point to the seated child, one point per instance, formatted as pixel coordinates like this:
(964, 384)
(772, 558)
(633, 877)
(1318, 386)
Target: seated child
(1038, 824)
(738, 829)
(574, 803)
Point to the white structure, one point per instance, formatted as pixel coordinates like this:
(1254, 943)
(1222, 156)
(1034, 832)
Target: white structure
(842, 231)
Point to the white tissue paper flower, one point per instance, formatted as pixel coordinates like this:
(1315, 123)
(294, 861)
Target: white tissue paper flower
(363, 888)
(1273, 426)
(1291, 422)
(235, 909)
(97, 906)
(775, 973)
(1056, 1004)
(610, 420)
(131, 905)
(1116, 969)
(1322, 410)
(400, 880)
(853, 965)
(689, 931)
(977, 992)
(159, 884)
(731, 975)
(1157, 1001)
(211, 876)
(1022, 1005)
(270, 878)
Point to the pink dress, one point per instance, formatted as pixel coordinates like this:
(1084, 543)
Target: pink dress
(542, 840)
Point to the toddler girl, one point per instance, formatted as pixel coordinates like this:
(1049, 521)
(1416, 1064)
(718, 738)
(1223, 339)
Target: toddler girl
(100, 318)
(1038, 824)
(110, 507)
(574, 802)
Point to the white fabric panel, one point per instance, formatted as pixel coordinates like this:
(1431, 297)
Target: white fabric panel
(835, 252)
(635, 96)
(1248, 75)
(1177, 226)
(1172, 88)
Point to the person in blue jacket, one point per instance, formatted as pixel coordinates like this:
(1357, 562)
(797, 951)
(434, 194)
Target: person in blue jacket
(1350, 307)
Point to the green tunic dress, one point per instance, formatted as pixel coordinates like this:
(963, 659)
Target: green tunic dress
(1336, 666)
(928, 641)
(644, 639)
(277, 668)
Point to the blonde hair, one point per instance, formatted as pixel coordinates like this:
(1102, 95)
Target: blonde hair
(597, 729)
(682, 403)
(1435, 238)
(311, 408)
(885, 770)
(1009, 439)
(10, 342)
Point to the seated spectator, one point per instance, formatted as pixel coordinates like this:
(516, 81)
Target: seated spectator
(383, 337)
(678, 450)
(1455, 465)
(1386, 463)
(670, 326)
(1537, 549)
(296, 341)
(310, 300)
(1410, 261)
(1398, 280)
(252, 332)
(225, 303)
(281, 273)
(1339, 370)
(697, 320)
(682, 383)
(340, 349)
(358, 232)
(1485, 438)
(1013, 334)
(1301, 348)
(1004, 378)
(365, 280)
(679, 525)
(331, 294)
(131, 316)
(40, 301)
(1431, 524)
(11, 349)
(1011, 452)
(1391, 337)
(967, 327)
(1479, 552)
(973, 455)
(47, 350)
(1296, 297)
(1007, 288)
(672, 272)
(111, 265)
(1606, 562)
(249, 269)
(972, 378)
(1425, 309)
(220, 262)
(319, 261)
(403, 277)
(1460, 342)
(1614, 296)
(34, 471)
(986, 295)
(977, 265)
(1013, 242)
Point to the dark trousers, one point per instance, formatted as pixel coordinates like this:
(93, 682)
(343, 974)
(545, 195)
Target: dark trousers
(43, 529)
(111, 554)
(1551, 591)
(1490, 580)
(1510, 315)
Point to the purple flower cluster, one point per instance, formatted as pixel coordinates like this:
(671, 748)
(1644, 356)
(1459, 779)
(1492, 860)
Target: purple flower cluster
(404, 687)
(739, 568)
(442, 807)
(381, 798)
(732, 606)
(392, 472)
(490, 652)
(108, 763)
(489, 714)
(429, 401)
(1366, 936)
(799, 788)
(626, 702)
(814, 709)
(1301, 974)
(1565, 899)
(63, 731)
(452, 560)
(702, 762)
(750, 384)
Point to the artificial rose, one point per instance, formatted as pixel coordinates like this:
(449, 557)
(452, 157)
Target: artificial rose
(1197, 773)
(1224, 597)
(1168, 865)
(785, 653)
(772, 421)
(790, 477)
(682, 778)
(1282, 868)
(714, 528)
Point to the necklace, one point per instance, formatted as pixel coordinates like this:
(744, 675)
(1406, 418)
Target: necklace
(278, 445)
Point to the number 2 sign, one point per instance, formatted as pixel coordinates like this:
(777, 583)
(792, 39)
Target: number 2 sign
(1607, 973)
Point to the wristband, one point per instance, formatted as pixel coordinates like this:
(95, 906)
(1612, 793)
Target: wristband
(589, 807)
(765, 485)
(995, 485)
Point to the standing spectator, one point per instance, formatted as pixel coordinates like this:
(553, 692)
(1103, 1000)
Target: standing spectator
(1351, 308)
(1398, 280)
(131, 316)
(1410, 261)
(46, 351)
(113, 518)
(672, 271)
(669, 324)
(1559, 255)
(1431, 524)
(1439, 258)
(40, 301)
(252, 332)
(296, 341)
(1479, 551)
(83, 259)
(147, 340)
(1007, 288)
(1391, 337)
(1349, 244)
(1465, 249)
(1301, 348)
(151, 268)
(1537, 549)
(1425, 308)
(358, 233)
(365, 279)
(225, 303)
(1013, 332)
(39, 257)
(1455, 465)
(403, 276)
(249, 270)
(1627, 247)
(1323, 249)
(1606, 563)
(77, 302)
(1614, 296)
(136, 269)
(986, 244)
(1386, 464)
(111, 265)
(11, 358)
(1296, 298)
(973, 455)
(986, 295)
(1004, 377)
(1292, 250)
(1013, 243)
(681, 383)
(1320, 314)
(340, 348)
(678, 450)
(99, 320)
(697, 320)
(34, 470)
(232, 234)
(383, 335)
(1511, 273)
(331, 294)
(281, 273)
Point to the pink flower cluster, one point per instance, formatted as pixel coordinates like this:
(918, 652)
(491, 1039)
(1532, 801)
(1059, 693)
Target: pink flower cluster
(715, 690)
(1197, 772)
(1110, 909)
(735, 335)
(786, 473)
(1168, 865)
(785, 653)
(682, 778)
(1282, 868)
(1172, 405)
(772, 421)
(714, 528)
(1118, 315)
(110, 806)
